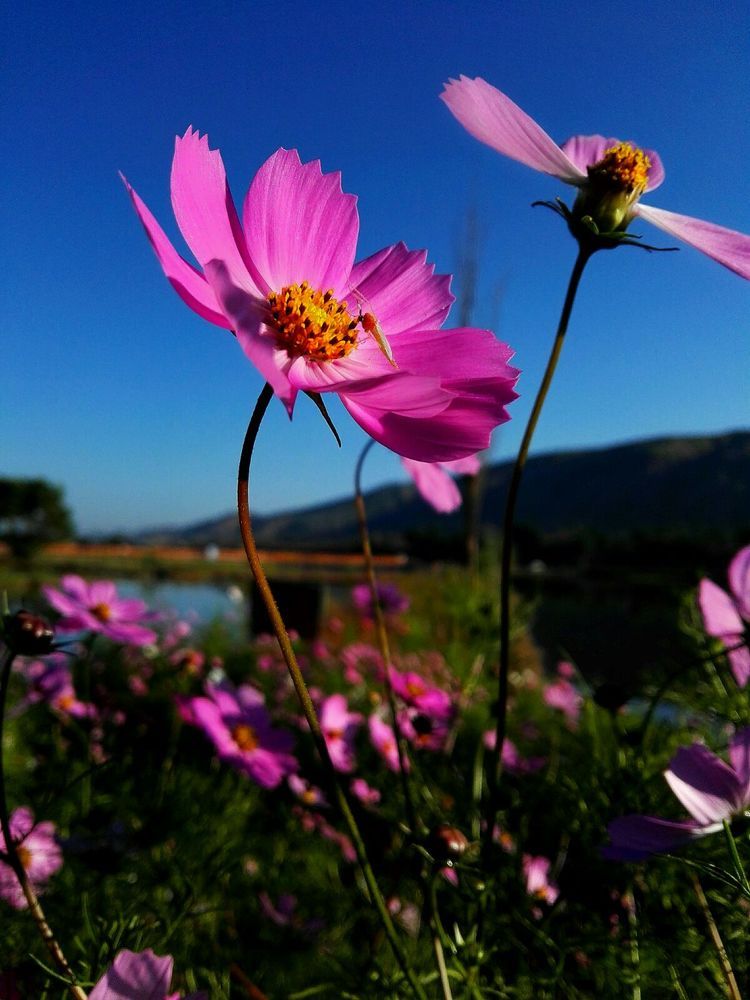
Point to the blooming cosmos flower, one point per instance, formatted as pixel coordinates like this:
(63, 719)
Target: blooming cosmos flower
(390, 599)
(416, 692)
(50, 681)
(710, 789)
(611, 175)
(436, 485)
(311, 319)
(384, 741)
(139, 976)
(562, 695)
(37, 850)
(96, 607)
(727, 616)
(238, 725)
(340, 727)
(536, 874)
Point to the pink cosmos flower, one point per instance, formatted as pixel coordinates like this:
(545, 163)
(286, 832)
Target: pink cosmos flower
(38, 851)
(513, 761)
(310, 319)
(611, 175)
(340, 727)
(305, 792)
(412, 689)
(367, 795)
(390, 599)
(139, 976)
(710, 789)
(238, 725)
(50, 681)
(97, 608)
(384, 741)
(563, 696)
(424, 731)
(436, 485)
(538, 884)
(727, 616)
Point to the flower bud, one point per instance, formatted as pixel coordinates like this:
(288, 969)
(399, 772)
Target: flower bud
(28, 634)
(447, 843)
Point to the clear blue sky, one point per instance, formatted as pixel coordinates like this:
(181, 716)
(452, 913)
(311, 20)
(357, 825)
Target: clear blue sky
(111, 387)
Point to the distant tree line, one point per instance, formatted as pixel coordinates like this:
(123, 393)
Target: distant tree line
(32, 513)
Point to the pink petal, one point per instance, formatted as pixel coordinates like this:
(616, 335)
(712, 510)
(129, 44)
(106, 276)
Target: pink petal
(586, 150)
(494, 119)
(417, 396)
(730, 248)
(299, 225)
(468, 466)
(739, 581)
(434, 485)
(189, 284)
(135, 976)
(739, 661)
(739, 755)
(399, 288)
(76, 587)
(247, 313)
(203, 205)
(102, 592)
(706, 786)
(720, 615)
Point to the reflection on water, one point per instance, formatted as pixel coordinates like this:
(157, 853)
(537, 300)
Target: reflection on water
(198, 603)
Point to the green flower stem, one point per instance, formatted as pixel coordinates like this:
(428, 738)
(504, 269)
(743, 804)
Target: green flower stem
(300, 687)
(734, 854)
(11, 855)
(733, 991)
(584, 253)
(382, 634)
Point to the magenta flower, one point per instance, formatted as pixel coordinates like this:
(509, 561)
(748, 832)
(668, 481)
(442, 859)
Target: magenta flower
(711, 790)
(435, 484)
(139, 976)
(97, 608)
(367, 795)
(513, 761)
(563, 696)
(384, 741)
(412, 689)
(305, 792)
(536, 874)
(50, 681)
(390, 599)
(727, 616)
(611, 175)
(424, 731)
(38, 851)
(238, 725)
(340, 727)
(311, 319)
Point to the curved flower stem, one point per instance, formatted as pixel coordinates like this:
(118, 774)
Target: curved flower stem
(300, 687)
(733, 991)
(382, 634)
(10, 855)
(584, 253)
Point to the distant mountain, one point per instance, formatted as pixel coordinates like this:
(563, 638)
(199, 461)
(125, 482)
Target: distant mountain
(672, 485)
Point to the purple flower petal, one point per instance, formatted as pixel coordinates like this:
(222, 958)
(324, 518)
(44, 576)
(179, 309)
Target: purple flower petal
(720, 615)
(637, 837)
(434, 485)
(730, 248)
(494, 119)
(739, 755)
(135, 976)
(707, 787)
(739, 661)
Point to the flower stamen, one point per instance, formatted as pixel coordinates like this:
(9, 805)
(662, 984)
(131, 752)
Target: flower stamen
(312, 324)
(244, 736)
(624, 167)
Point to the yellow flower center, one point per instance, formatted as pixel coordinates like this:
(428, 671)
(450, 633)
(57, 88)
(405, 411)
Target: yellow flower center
(625, 166)
(415, 688)
(312, 324)
(102, 611)
(24, 856)
(244, 736)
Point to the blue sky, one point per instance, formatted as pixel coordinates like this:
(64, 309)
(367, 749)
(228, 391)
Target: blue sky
(112, 388)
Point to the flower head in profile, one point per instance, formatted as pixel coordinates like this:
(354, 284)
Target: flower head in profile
(340, 727)
(139, 976)
(237, 723)
(611, 176)
(97, 607)
(38, 851)
(285, 282)
(536, 874)
(711, 790)
(435, 483)
(727, 615)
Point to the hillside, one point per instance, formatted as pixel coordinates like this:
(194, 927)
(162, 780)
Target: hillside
(677, 485)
